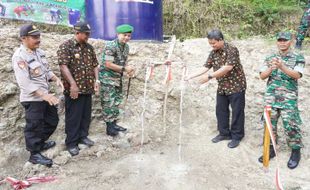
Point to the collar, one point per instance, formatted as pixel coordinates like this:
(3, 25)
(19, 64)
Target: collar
(288, 54)
(76, 43)
(30, 51)
(119, 44)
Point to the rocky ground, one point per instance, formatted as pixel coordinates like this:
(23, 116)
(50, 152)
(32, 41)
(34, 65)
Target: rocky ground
(171, 157)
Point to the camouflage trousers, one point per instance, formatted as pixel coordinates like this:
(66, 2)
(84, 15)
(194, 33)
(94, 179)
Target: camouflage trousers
(291, 121)
(111, 97)
(304, 25)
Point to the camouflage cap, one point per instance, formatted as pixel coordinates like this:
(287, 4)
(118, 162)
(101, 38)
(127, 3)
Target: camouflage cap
(284, 35)
(124, 28)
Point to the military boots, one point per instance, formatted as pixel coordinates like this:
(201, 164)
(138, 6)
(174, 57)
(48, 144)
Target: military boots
(294, 159)
(111, 130)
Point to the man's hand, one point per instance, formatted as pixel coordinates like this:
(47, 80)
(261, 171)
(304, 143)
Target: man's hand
(167, 62)
(74, 91)
(203, 79)
(96, 88)
(277, 63)
(51, 99)
(59, 84)
(130, 71)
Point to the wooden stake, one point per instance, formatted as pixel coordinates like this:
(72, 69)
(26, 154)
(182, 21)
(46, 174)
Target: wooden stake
(266, 149)
(173, 41)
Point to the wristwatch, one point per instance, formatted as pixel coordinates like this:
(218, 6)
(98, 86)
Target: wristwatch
(123, 69)
(210, 77)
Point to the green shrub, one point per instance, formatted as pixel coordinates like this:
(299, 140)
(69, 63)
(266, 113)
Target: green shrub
(239, 18)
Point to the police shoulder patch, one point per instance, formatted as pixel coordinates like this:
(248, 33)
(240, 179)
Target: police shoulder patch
(22, 64)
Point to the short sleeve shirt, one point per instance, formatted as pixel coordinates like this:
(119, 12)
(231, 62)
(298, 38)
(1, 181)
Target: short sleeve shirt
(81, 60)
(234, 81)
(32, 72)
(282, 90)
(116, 53)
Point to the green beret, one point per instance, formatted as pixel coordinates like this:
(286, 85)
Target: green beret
(284, 35)
(124, 28)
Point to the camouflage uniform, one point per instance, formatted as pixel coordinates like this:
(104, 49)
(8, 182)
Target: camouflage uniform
(282, 95)
(111, 82)
(303, 27)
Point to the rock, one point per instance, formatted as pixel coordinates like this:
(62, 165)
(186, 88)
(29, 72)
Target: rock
(53, 152)
(27, 166)
(100, 153)
(10, 89)
(122, 144)
(62, 160)
(3, 125)
(135, 139)
(8, 68)
(83, 146)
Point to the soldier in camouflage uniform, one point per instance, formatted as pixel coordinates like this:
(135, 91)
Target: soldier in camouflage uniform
(283, 69)
(303, 27)
(113, 67)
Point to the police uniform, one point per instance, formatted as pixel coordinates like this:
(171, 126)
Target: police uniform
(32, 73)
(111, 81)
(303, 27)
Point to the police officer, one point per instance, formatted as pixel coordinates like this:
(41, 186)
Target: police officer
(79, 70)
(283, 69)
(303, 27)
(111, 73)
(33, 75)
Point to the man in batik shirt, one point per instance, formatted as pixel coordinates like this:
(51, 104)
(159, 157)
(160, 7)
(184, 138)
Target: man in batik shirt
(224, 58)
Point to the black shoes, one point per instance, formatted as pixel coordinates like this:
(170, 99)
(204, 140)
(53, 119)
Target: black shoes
(111, 130)
(37, 158)
(292, 162)
(233, 143)
(219, 138)
(272, 154)
(294, 159)
(118, 128)
(87, 141)
(48, 145)
(74, 150)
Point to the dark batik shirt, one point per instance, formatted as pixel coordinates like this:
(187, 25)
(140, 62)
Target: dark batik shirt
(81, 61)
(234, 81)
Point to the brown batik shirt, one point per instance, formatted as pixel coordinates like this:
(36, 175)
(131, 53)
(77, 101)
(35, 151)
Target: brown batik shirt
(234, 81)
(81, 61)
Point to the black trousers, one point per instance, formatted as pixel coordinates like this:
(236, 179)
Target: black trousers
(77, 118)
(237, 102)
(41, 121)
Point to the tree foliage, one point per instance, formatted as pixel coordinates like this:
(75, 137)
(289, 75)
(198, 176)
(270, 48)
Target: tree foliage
(238, 18)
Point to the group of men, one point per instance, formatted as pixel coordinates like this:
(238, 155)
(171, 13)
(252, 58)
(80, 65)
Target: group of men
(282, 69)
(81, 77)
